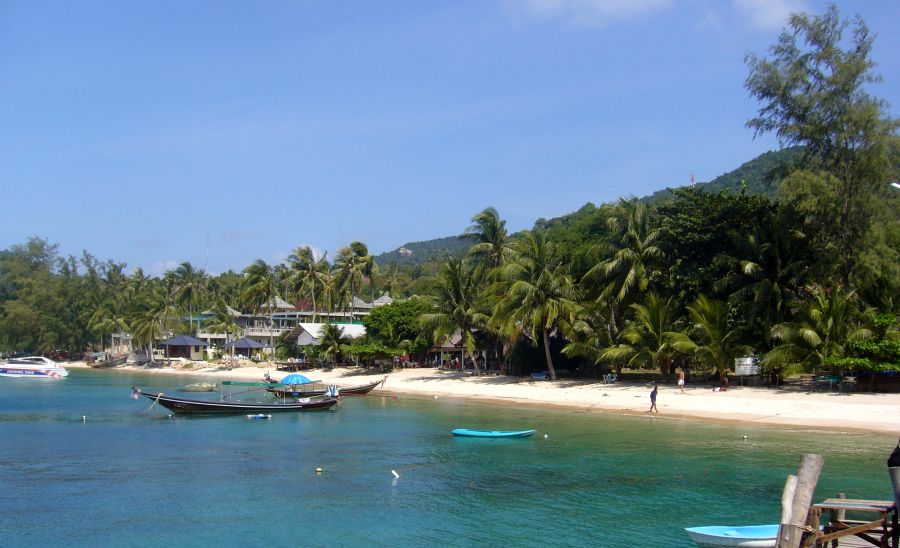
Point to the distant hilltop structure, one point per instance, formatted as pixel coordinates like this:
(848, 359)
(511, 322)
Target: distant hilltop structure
(406, 252)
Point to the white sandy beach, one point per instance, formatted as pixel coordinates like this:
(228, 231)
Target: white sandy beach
(788, 407)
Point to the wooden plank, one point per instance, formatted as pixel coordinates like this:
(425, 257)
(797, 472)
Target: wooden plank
(850, 531)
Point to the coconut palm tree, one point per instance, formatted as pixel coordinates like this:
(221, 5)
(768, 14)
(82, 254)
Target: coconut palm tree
(457, 306)
(366, 264)
(647, 335)
(589, 335)
(190, 285)
(489, 236)
(308, 273)
(156, 317)
(711, 339)
(348, 267)
(259, 289)
(392, 279)
(825, 325)
(223, 322)
(766, 274)
(332, 342)
(632, 254)
(538, 293)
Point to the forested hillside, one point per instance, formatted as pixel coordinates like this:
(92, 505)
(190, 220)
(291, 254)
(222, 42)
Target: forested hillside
(762, 176)
(428, 250)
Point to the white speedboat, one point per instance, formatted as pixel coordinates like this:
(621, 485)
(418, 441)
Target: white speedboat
(35, 367)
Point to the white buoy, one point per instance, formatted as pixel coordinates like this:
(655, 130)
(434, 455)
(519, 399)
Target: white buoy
(396, 475)
(435, 397)
(745, 437)
(546, 436)
(318, 470)
(83, 418)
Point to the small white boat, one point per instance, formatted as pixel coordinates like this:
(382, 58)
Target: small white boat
(35, 367)
(748, 536)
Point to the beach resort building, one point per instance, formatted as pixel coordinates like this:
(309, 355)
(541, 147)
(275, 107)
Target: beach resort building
(266, 326)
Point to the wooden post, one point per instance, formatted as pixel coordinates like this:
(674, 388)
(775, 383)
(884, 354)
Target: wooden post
(790, 533)
(841, 514)
(787, 498)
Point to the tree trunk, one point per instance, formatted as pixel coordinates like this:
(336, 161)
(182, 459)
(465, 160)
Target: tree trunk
(550, 367)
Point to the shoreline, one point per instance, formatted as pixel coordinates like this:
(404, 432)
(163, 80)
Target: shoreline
(831, 411)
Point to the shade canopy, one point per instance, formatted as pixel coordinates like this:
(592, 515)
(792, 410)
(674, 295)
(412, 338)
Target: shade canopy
(245, 343)
(295, 378)
(183, 340)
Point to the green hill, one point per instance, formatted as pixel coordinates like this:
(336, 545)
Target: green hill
(761, 175)
(421, 252)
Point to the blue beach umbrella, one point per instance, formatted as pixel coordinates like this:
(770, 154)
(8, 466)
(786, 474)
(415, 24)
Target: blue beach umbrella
(295, 378)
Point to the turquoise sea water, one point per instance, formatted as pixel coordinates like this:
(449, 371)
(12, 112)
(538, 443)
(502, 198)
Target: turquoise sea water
(123, 477)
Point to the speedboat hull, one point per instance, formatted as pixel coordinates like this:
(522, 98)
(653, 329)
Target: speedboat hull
(746, 536)
(33, 367)
(469, 433)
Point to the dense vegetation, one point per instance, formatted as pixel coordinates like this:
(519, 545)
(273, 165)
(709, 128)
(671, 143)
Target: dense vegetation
(805, 279)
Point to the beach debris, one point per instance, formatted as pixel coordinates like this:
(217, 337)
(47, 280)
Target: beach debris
(435, 397)
(396, 475)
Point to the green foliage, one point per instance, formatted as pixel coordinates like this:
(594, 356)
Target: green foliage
(701, 230)
(712, 338)
(427, 251)
(392, 324)
(759, 176)
(813, 92)
(538, 295)
(648, 334)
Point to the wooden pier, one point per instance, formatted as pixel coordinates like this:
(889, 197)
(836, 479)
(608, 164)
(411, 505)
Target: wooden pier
(839, 531)
(802, 523)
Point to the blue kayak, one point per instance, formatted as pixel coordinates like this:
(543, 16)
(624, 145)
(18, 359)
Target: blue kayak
(748, 536)
(492, 433)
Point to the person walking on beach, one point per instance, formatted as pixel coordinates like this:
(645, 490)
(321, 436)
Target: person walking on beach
(681, 380)
(653, 399)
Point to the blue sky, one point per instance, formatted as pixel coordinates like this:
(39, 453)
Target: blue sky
(138, 131)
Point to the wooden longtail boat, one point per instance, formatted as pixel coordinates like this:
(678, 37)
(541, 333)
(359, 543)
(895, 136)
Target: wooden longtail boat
(185, 405)
(120, 360)
(302, 390)
(469, 433)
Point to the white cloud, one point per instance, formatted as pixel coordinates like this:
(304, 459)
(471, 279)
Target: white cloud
(769, 14)
(589, 13)
(710, 18)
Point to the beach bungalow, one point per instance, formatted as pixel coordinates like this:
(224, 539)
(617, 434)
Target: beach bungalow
(449, 352)
(185, 346)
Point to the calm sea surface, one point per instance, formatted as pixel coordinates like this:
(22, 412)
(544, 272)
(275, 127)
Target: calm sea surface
(125, 477)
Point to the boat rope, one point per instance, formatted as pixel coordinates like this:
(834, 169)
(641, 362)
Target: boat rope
(155, 401)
